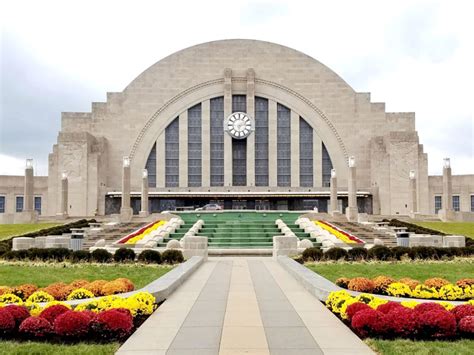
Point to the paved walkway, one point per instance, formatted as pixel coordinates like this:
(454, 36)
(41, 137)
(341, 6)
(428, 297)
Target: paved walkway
(242, 306)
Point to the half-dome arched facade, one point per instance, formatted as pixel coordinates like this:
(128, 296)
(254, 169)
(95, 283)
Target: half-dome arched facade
(173, 120)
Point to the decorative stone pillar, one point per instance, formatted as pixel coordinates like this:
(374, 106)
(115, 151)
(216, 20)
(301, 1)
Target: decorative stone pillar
(446, 213)
(63, 205)
(251, 138)
(227, 138)
(28, 214)
(413, 196)
(333, 208)
(28, 194)
(351, 210)
(126, 211)
(144, 211)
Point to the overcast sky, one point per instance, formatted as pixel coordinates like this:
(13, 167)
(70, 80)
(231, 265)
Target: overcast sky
(62, 55)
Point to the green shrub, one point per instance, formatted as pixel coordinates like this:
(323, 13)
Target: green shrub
(80, 255)
(101, 256)
(59, 254)
(124, 254)
(422, 252)
(38, 254)
(150, 257)
(172, 256)
(16, 255)
(413, 228)
(380, 252)
(399, 252)
(357, 253)
(335, 253)
(312, 254)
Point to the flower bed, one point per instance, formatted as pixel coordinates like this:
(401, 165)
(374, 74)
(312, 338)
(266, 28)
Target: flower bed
(369, 316)
(339, 233)
(433, 288)
(141, 233)
(78, 289)
(107, 319)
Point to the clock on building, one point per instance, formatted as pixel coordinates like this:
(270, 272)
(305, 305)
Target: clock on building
(239, 125)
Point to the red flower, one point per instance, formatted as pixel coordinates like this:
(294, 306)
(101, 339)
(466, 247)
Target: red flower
(113, 324)
(463, 310)
(72, 324)
(52, 312)
(89, 314)
(428, 307)
(369, 322)
(400, 321)
(18, 313)
(354, 308)
(388, 307)
(436, 324)
(36, 326)
(466, 325)
(7, 322)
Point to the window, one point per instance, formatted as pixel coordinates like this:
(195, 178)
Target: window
(194, 146)
(456, 203)
(151, 167)
(283, 146)
(261, 141)
(326, 166)
(2, 204)
(217, 141)
(472, 203)
(306, 154)
(19, 203)
(38, 204)
(172, 154)
(438, 204)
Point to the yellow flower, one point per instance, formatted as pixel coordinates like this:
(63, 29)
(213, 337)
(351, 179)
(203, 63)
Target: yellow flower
(398, 289)
(451, 292)
(409, 304)
(377, 302)
(10, 298)
(40, 296)
(423, 291)
(34, 308)
(80, 294)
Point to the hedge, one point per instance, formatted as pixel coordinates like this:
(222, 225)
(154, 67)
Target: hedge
(98, 255)
(384, 253)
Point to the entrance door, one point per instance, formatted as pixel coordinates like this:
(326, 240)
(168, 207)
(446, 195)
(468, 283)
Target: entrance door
(239, 204)
(262, 205)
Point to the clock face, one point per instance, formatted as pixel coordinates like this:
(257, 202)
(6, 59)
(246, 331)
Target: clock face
(238, 125)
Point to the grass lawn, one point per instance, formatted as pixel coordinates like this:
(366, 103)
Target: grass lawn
(458, 228)
(9, 230)
(39, 348)
(403, 347)
(450, 270)
(41, 274)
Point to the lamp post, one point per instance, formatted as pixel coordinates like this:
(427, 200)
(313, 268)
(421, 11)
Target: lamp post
(351, 210)
(144, 212)
(333, 198)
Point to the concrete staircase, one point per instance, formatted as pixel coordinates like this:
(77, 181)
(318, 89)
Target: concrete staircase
(110, 234)
(366, 233)
(240, 230)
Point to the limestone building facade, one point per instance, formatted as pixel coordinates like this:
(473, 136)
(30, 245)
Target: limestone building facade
(299, 120)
